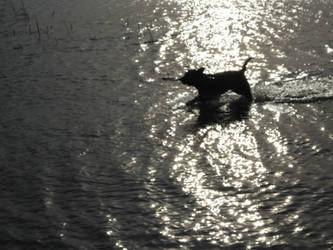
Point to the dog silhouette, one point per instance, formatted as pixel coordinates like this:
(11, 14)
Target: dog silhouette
(211, 86)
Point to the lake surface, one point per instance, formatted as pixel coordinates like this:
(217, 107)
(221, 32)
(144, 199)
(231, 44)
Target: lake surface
(99, 152)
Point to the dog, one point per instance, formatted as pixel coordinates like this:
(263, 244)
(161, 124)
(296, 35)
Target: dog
(211, 86)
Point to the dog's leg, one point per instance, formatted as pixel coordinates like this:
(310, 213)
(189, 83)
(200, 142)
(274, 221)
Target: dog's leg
(247, 91)
(194, 101)
(243, 89)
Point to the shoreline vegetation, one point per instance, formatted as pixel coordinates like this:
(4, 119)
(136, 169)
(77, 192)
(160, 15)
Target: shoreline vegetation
(58, 30)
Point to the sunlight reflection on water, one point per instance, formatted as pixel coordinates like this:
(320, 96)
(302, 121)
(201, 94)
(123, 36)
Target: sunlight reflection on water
(220, 35)
(225, 151)
(222, 166)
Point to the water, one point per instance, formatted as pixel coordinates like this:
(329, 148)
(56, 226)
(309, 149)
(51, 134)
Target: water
(98, 152)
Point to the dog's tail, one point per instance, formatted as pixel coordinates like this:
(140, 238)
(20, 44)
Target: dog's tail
(244, 65)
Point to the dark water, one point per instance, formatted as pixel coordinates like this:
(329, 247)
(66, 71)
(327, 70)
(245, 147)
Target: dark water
(98, 152)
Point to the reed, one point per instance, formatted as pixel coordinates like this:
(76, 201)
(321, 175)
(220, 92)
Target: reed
(151, 37)
(38, 29)
(69, 28)
(47, 32)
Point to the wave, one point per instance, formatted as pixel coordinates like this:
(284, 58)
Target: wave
(305, 90)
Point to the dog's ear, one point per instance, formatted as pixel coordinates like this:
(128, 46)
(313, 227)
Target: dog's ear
(201, 70)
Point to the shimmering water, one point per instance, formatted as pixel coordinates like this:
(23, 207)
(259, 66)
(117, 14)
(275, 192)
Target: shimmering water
(98, 152)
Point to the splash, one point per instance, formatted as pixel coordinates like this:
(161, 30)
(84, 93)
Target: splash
(303, 90)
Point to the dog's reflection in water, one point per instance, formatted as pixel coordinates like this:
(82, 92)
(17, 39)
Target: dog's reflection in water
(221, 112)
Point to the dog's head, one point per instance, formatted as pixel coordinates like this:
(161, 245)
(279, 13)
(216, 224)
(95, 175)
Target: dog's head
(192, 77)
